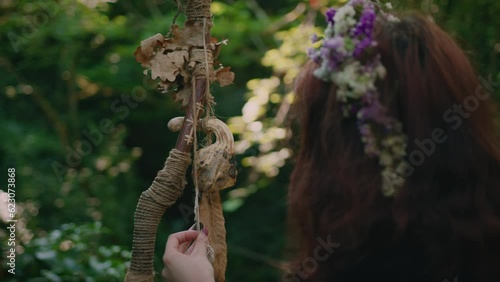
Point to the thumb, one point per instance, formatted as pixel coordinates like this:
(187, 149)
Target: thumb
(200, 245)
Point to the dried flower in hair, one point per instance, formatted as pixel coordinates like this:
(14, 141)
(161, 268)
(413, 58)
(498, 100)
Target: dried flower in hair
(346, 58)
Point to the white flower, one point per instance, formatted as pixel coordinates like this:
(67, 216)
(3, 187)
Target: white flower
(388, 5)
(329, 31)
(359, 88)
(385, 159)
(389, 141)
(396, 144)
(380, 71)
(342, 93)
(322, 72)
(344, 12)
(351, 77)
(399, 151)
(392, 18)
(390, 182)
(344, 78)
(344, 20)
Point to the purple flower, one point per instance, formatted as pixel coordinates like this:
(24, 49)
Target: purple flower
(333, 52)
(366, 23)
(375, 111)
(314, 55)
(328, 54)
(336, 42)
(369, 98)
(361, 46)
(314, 38)
(368, 138)
(330, 13)
(364, 130)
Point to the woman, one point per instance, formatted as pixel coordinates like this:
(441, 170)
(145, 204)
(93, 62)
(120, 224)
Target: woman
(398, 174)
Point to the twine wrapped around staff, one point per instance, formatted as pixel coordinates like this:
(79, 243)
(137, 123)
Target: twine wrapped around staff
(162, 194)
(183, 62)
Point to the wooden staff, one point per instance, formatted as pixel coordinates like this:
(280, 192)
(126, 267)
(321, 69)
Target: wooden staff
(184, 63)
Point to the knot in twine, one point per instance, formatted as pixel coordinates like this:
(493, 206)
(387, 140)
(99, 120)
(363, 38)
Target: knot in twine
(203, 62)
(197, 10)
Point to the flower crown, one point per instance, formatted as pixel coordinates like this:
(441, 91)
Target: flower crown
(348, 58)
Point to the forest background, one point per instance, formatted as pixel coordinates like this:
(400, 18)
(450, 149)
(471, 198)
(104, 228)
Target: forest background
(68, 78)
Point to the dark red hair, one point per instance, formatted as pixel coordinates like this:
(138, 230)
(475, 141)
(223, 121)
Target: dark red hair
(448, 212)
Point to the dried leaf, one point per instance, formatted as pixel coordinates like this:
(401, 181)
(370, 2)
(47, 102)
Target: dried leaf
(190, 35)
(148, 45)
(173, 45)
(225, 76)
(168, 66)
(163, 86)
(175, 42)
(176, 32)
(184, 96)
(145, 52)
(216, 47)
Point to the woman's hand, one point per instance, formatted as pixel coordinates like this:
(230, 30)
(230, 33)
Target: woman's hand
(185, 263)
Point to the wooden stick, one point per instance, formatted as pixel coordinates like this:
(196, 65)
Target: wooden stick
(197, 11)
(201, 87)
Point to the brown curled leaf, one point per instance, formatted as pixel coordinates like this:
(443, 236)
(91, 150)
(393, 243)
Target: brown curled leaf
(184, 95)
(225, 76)
(190, 35)
(145, 52)
(168, 66)
(215, 47)
(175, 42)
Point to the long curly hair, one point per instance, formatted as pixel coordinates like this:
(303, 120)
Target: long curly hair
(445, 221)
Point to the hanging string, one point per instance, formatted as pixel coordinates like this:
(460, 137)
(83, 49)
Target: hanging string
(195, 147)
(207, 71)
(195, 158)
(195, 117)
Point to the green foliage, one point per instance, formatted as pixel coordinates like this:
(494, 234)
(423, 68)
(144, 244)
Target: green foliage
(86, 133)
(73, 253)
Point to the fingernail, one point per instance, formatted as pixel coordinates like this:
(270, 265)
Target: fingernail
(205, 231)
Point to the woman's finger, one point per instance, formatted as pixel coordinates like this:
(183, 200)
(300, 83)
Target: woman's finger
(200, 245)
(184, 246)
(175, 240)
